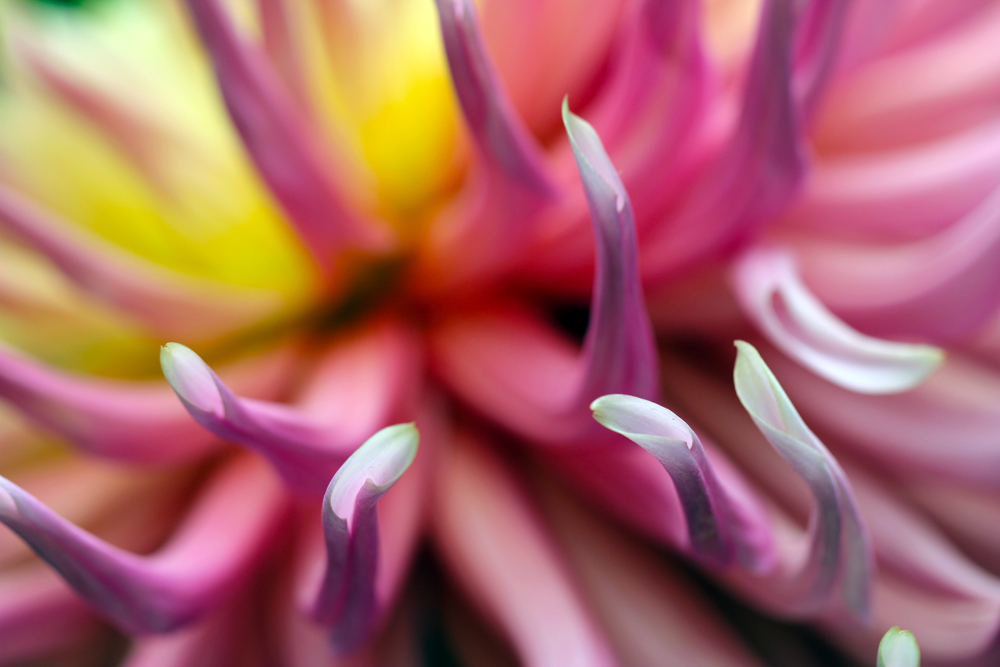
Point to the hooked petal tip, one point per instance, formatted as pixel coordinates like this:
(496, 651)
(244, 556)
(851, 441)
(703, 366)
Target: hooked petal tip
(379, 462)
(190, 377)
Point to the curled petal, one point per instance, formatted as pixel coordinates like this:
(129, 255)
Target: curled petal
(515, 368)
(840, 551)
(280, 140)
(712, 524)
(355, 387)
(346, 601)
(497, 129)
(898, 648)
(820, 38)
(139, 422)
(168, 303)
(941, 287)
(768, 287)
(489, 534)
(194, 572)
(618, 351)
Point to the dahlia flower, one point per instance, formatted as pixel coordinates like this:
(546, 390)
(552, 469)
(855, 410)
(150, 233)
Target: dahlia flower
(444, 375)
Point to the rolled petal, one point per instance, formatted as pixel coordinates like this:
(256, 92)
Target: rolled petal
(138, 422)
(942, 287)
(820, 37)
(169, 304)
(898, 648)
(840, 550)
(193, 573)
(494, 543)
(346, 602)
(755, 174)
(768, 288)
(515, 368)
(712, 524)
(504, 141)
(618, 351)
(355, 387)
(280, 140)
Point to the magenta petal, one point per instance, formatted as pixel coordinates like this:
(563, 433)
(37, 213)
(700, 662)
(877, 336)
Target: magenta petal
(356, 386)
(840, 550)
(280, 141)
(715, 532)
(499, 132)
(346, 602)
(772, 296)
(494, 543)
(168, 303)
(756, 173)
(194, 572)
(139, 422)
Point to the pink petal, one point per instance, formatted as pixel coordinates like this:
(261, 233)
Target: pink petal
(652, 616)
(347, 603)
(39, 615)
(168, 303)
(493, 542)
(755, 174)
(357, 384)
(767, 285)
(138, 422)
(280, 140)
(503, 140)
(193, 573)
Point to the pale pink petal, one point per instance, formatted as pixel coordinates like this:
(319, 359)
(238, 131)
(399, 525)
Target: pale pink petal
(357, 384)
(903, 193)
(493, 542)
(194, 572)
(138, 422)
(347, 602)
(772, 296)
(942, 287)
(168, 303)
(279, 139)
(958, 405)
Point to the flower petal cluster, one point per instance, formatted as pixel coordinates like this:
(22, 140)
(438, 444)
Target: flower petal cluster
(445, 294)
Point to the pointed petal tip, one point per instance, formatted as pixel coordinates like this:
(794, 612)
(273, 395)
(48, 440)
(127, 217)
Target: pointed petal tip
(377, 464)
(190, 377)
(591, 158)
(898, 648)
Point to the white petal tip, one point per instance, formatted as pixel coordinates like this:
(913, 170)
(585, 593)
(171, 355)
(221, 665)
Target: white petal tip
(190, 377)
(898, 648)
